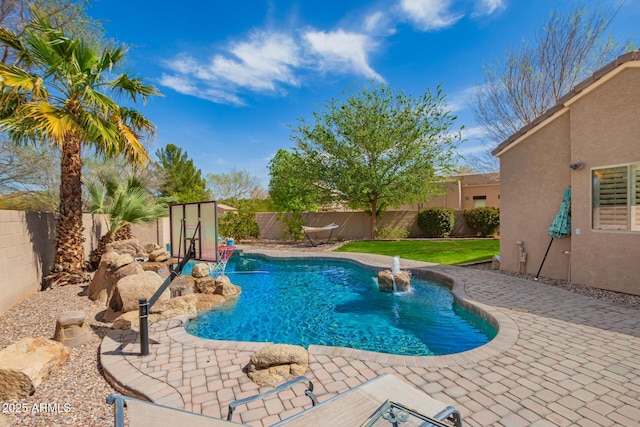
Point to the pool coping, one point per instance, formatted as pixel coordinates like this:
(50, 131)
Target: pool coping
(507, 329)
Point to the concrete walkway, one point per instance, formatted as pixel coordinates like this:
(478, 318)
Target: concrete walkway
(560, 359)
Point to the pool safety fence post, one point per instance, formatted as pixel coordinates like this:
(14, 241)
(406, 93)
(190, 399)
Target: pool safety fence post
(143, 309)
(144, 306)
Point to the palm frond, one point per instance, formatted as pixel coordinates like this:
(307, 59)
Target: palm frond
(133, 87)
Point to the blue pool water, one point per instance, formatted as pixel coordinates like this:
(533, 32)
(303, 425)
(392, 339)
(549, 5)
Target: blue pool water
(338, 304)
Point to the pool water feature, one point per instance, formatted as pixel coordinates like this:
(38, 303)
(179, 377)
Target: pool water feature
(337, 303)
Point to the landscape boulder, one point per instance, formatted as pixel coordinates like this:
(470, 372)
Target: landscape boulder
(129, 289)
(190, 305)
(129, 246)
(224, 287)
(386, 281)
(159, 255)
(25, 364)
(276, 363)
(182, 285)
(199, 270)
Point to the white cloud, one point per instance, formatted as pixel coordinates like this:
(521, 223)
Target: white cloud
(379, 23)
(473, 133)
(430, 15)
(487, 7)
(339, 49)
(259, 63)
(179, 84)
(268, 62)
(460, 99)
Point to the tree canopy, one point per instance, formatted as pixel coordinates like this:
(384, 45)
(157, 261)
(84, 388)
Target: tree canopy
(529, 80)
(371, 148)
(182, 181)
(234, 186)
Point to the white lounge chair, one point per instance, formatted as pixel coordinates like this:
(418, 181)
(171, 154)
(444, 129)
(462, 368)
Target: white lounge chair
(377, 402)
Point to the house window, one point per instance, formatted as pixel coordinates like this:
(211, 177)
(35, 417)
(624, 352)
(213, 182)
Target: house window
(616, 196)
(479, 201)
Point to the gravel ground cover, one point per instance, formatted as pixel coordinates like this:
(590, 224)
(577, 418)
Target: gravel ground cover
(77, 391)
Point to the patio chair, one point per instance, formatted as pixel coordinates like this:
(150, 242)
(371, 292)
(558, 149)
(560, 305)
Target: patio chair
(306, 230)
(383, 401)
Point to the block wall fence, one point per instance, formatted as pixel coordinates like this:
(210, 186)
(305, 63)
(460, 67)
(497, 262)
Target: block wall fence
(27, 240)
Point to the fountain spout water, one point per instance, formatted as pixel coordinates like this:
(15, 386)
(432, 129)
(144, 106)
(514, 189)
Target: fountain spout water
(395, 265)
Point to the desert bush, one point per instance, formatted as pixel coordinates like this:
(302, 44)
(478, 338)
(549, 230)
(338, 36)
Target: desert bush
(484, 220)
(436, 222)
(242, 225)
(293, 226)
(392, 233)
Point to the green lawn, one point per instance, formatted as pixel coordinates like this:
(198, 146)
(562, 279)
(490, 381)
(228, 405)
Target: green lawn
(439, 251)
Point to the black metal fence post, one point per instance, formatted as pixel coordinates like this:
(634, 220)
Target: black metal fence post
(143, 308)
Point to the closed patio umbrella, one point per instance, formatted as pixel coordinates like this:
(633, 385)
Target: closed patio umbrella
(561, 224)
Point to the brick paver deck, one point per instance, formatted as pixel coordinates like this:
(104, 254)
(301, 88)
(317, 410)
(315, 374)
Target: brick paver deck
(560, 359)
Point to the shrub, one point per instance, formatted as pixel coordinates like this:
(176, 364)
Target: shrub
(483, 220)
(240, 226)
(293, 226)
(392, 233)
(436, 222)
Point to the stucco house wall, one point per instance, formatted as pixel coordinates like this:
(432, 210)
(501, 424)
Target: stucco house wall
(534, 175)
(604, 133)
(594, 126)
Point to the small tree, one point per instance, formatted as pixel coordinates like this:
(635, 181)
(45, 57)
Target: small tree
(182, 181)
(234, 186)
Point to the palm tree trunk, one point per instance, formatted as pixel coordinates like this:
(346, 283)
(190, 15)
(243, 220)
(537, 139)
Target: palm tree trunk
(69, 258)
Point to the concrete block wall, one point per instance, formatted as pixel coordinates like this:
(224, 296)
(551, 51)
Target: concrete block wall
(26, 254)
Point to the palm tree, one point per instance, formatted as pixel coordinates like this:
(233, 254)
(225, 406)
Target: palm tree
(57, 92)
(124, 204)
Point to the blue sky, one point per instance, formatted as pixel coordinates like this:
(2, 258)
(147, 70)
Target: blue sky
(234, 75)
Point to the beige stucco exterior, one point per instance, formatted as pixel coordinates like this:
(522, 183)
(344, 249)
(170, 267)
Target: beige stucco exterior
(597, 126)
(460, 192)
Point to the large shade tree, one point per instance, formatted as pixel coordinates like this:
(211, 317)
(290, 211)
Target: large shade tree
(374, 148)
(59, 92)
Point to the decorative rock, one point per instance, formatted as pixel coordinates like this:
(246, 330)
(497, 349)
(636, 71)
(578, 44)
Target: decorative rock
(71, 329)
(182, 285)
(122, 260)
(130, 246)
(25, 364)
(225, 288)
(159, 255)
(276, 363)
(206, 285)
(188, 304)
(150, 247)
(126, 270)
(129, 289)
(403, 281)
(201, 269)
(386, 280)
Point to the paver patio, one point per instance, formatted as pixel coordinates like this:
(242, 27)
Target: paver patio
(560, 359)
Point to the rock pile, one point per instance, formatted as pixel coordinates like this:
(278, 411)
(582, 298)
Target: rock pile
(276, 363)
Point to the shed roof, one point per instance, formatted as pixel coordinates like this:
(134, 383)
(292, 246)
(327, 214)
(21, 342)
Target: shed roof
(567, 99)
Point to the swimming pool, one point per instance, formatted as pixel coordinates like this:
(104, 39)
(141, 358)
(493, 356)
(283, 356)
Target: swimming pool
(337, 303)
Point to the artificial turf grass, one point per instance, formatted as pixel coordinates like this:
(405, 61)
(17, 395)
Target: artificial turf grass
(450, 251)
